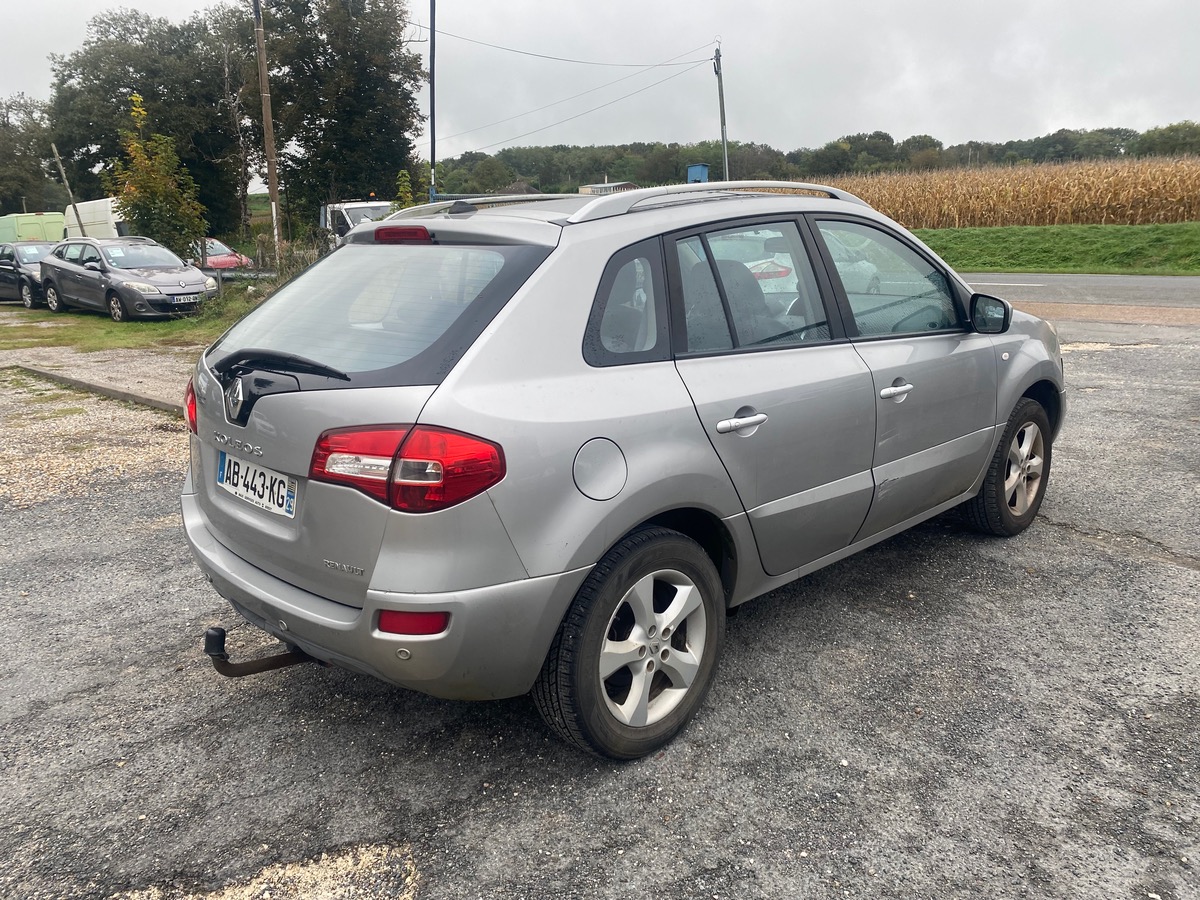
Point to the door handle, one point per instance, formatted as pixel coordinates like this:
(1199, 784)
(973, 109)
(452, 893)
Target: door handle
(896, 390)
(725, 426)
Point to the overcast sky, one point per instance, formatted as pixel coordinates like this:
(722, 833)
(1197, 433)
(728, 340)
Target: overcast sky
(797, 74)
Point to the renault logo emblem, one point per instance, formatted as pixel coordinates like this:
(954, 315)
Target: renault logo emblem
(233, 400)
(183, 284)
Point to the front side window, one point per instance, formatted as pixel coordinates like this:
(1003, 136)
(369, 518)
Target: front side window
(890, 288)
(89, 255)
(6, 254)
(749, 287)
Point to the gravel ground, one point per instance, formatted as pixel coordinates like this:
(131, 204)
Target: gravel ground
(944, 715)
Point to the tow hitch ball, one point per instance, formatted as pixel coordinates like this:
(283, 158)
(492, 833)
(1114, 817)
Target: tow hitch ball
(214, 646)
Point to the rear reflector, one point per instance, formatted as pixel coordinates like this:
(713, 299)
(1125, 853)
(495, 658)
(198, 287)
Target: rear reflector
(402, 234)
(395, 621)
(419, 469)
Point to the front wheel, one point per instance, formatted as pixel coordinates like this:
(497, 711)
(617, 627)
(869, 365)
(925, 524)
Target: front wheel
(116, 309)
(27, 295)
(635, 655)
(1016, 481)
(53, 300)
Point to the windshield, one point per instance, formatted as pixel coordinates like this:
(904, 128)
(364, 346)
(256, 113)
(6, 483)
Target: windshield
(367, 213)
(31, 253)
(370, 308)
(141, 256)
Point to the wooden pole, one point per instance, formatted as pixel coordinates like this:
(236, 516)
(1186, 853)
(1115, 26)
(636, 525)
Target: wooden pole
(268, 129)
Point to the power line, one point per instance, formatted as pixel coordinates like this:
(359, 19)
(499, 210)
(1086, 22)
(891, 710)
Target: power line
(582, 62)
(592, 110)
(575, 97)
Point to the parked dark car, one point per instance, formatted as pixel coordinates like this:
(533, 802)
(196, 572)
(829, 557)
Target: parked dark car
(21, 271)
(130, 277)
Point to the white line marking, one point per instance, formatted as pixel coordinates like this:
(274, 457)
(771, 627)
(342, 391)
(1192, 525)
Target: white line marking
(1004, 284)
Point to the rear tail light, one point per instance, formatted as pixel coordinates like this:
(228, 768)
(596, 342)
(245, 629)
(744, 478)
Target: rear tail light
(396, 621)
(189, 407)
(770, 270)
(419, 469)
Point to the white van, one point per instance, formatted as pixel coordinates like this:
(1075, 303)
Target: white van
(100, 220)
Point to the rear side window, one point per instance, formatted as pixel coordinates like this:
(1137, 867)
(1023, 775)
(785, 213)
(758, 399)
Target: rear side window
(628, 323)
(387, 314)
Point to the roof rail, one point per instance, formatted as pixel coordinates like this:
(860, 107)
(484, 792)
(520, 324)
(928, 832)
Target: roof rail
(470, 204)
(622, 202)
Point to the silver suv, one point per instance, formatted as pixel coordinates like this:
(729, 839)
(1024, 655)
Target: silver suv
(545, 444)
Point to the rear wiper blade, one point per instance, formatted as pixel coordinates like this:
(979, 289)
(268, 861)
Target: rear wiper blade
(273, 360)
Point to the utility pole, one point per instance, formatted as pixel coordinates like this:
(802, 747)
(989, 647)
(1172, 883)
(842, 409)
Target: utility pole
(268, 129)
(721, 97)
(432, 105)
(70, 195)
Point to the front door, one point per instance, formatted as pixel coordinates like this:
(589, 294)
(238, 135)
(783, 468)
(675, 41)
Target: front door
(934, 380)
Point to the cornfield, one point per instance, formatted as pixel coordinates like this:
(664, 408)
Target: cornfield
(1100, 192)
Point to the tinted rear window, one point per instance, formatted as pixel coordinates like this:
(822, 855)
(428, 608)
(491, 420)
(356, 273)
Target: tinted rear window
(387, 314)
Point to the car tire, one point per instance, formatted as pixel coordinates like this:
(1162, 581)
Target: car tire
(116, 308)
(1016, 480)
(53, 300)
(651, 613)
(27, 299)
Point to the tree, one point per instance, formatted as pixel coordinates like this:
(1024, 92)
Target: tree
(1170, 140)
(192, 78)
(154, 192)
(344, 86)
(404, 191)
(24, 150)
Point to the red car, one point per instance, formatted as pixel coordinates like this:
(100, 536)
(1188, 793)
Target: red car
(221, 256)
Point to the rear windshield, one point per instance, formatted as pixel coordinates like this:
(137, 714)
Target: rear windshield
(387, 314)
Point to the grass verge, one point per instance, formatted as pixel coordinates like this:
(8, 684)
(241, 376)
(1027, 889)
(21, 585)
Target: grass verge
(1071, 249)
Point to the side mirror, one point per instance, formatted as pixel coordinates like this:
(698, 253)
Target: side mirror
(92, 266)
(990, 315)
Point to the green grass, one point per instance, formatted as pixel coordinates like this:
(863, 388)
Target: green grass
(1071, 249)
(94, 331)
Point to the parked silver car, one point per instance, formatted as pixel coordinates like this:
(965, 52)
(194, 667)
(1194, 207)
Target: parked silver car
(128, 277)
(544, 445)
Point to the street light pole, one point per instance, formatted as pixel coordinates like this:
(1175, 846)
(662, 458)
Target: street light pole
(268, 128)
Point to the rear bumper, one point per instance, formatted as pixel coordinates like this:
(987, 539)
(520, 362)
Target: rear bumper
(494, 646)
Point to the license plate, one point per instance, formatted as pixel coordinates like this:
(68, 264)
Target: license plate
(184, 298)
(257, 485)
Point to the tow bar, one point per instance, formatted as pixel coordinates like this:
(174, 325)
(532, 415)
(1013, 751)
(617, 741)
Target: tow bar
(214, 646)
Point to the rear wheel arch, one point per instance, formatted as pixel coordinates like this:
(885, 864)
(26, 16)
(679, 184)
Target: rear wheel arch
(710, 533)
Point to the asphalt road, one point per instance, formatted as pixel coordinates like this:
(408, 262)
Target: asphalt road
(944, 715)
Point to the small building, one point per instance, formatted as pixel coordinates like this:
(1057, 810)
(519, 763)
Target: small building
(609, 187)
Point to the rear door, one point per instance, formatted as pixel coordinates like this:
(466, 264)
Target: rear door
(785, 400)
(934, 379)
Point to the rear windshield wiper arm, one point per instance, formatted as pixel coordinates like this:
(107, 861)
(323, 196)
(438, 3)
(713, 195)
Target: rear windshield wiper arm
(273, 360)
